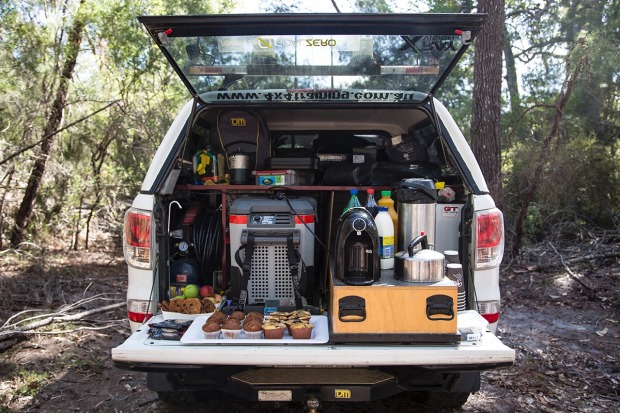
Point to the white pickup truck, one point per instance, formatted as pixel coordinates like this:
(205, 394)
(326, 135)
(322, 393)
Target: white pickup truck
(246, 191)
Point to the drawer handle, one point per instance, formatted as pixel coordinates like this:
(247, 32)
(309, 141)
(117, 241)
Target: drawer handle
(352, 309)
(440, 308)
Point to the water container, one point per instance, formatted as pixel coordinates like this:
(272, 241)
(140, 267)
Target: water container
(385, 228)
(371, 205)
(354, 201)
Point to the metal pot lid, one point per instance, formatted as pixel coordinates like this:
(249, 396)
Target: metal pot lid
(426, 255)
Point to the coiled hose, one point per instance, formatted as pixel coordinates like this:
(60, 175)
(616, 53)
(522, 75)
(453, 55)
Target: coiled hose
(208, 242)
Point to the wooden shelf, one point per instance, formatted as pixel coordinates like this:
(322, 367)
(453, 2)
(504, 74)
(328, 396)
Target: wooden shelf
(263, 188)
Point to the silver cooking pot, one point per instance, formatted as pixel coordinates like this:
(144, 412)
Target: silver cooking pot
(424, 265)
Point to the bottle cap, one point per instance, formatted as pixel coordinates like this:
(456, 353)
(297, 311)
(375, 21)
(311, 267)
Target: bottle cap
(386, 193)
(370, 191)
(353, 191)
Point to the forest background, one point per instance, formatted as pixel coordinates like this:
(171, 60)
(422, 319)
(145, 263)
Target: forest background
(86, 97)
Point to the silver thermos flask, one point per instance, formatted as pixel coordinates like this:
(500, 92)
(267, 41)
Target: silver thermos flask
(417, 198)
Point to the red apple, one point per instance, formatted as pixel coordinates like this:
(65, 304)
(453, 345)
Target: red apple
(206, 291)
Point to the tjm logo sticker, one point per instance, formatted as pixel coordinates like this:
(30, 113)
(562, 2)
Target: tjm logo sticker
(237, 122)
(343, 394)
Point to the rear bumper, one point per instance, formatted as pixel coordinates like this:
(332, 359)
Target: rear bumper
(295, 384)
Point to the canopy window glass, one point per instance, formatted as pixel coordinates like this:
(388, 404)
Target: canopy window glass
(412, 55)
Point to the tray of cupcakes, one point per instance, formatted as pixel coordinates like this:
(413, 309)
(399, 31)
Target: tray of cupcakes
(295, 327)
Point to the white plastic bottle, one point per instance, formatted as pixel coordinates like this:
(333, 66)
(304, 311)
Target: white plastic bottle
(385, 228)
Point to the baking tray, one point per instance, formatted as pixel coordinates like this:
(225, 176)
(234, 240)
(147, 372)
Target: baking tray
(169, 315)
(320, 335)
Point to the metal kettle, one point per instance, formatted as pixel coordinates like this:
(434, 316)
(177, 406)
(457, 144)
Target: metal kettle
(424, 265)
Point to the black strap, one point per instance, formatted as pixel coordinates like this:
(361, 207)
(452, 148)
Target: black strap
(246, 268)
(293, 263)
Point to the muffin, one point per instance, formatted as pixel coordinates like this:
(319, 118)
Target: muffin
(288, 324)
(301, 330)
(208, 306)
(253, 329)
(254, 315)
(211, 330)
(238, 315)
(274, 330)
(217, 316)
(277, 315)
(231, 328)
(301, 313)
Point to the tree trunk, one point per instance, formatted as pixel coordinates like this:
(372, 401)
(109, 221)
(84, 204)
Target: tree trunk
(511, 76)
(486, 98)
(8, 178)
(529, 192)
(36, 175)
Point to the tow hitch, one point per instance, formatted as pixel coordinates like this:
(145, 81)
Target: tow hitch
(312, 404)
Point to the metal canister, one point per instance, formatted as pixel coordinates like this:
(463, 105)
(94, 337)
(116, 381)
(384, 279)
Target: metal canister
(239, 162)
(417, 199)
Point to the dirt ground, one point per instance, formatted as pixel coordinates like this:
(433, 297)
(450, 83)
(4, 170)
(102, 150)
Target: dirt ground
(564, 327)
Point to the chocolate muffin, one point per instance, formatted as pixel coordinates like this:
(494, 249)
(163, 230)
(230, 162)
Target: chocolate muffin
(231, 324)
(211, 330)
(238, 314)
(218, 316)
(253, 329)
(254, 315)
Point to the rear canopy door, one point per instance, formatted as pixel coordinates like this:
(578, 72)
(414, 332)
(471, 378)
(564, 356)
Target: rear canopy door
(306, 55)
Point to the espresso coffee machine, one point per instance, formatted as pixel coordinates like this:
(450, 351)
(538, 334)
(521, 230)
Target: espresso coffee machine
(357, 248)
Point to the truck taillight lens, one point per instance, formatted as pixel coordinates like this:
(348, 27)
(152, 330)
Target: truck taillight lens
(489, 238)
(137, 238)
(138, 311)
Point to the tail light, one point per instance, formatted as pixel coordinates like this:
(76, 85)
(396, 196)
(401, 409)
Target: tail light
(489, 238)
(137, 238)
(138, 310)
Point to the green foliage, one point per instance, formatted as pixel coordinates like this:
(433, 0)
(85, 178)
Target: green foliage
(98, 164)
(30, 382)
(534, 222)
(578, 181)
(577, 188)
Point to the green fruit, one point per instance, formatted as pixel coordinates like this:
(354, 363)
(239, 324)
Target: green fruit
(191, 291)
(179, 297)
